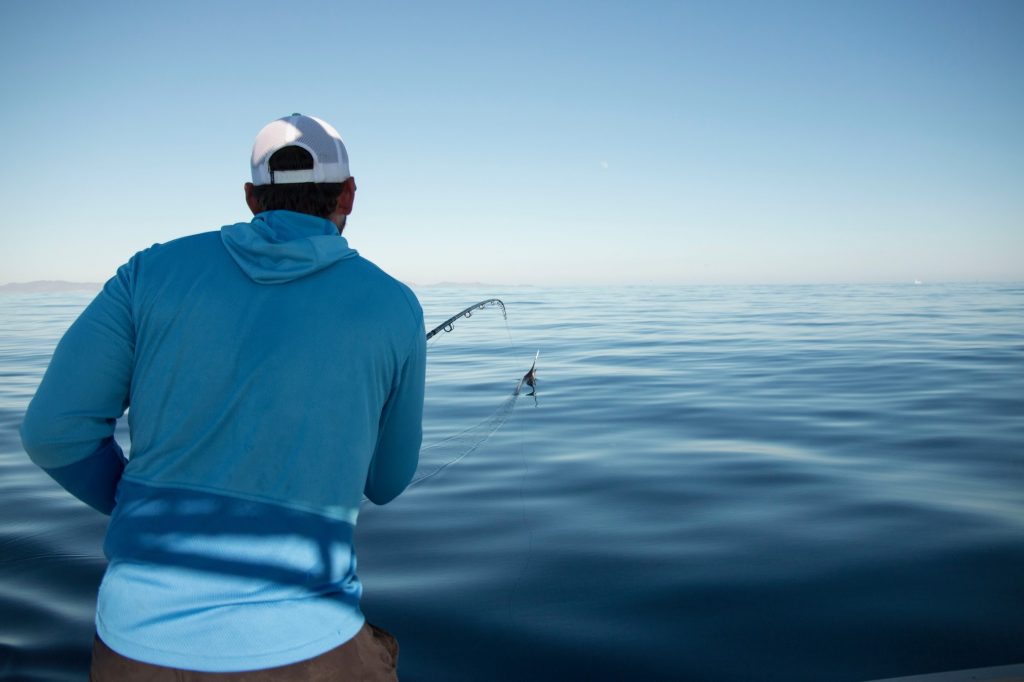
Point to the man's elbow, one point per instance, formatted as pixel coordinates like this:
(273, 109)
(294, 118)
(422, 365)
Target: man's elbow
(54, 440)
(394, 464)
(38, 440)
(386, 483)
(377, 498)
(382, 493)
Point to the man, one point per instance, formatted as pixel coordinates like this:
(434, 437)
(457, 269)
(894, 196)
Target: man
(274, 377)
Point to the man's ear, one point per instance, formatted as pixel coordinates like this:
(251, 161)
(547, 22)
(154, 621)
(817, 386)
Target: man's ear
(250, 199)
(347, 197)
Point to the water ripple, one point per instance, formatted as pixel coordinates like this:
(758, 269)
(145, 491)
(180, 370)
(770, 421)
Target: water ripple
(713, 483)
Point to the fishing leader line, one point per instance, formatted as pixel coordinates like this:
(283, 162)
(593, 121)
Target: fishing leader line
(473, 437)
(469, 440)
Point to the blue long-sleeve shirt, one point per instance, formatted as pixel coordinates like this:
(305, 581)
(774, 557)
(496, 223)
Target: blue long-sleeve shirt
(272, 376)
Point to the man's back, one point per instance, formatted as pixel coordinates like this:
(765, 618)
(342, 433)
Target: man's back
(273, 375)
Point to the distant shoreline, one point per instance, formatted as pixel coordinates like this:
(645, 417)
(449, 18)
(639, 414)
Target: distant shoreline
(61, 286)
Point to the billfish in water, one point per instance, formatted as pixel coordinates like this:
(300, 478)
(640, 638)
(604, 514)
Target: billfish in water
(530, 378)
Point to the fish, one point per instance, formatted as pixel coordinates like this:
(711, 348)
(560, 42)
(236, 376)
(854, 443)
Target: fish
(530, 378)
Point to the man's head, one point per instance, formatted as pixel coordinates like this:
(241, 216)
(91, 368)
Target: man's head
(299, 163)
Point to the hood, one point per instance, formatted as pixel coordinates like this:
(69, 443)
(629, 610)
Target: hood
(281, 246)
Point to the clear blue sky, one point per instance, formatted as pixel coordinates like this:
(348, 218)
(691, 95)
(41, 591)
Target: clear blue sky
(533, 142)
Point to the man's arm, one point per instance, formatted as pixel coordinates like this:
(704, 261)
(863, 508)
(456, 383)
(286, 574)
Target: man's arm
(69, 426)
(401, 429)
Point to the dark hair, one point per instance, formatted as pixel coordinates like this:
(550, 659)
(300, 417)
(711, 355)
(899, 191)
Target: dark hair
(313, 198)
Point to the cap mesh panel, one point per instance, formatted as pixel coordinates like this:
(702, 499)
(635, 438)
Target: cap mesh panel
(318, 140)
(305, 131)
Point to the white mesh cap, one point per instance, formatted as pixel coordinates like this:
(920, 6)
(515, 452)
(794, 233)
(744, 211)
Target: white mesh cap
(330, 159)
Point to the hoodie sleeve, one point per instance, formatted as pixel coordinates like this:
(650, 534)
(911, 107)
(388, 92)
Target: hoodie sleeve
(68, 429)
(401, 429)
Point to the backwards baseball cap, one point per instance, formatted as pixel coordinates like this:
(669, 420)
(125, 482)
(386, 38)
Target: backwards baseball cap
(330, 160)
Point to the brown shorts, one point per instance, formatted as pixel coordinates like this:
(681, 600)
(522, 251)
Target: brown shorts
(370, 656)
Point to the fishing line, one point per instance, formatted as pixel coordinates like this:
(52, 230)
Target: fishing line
(472, 438)
(526, 526)
(469, 440)
(466, 442)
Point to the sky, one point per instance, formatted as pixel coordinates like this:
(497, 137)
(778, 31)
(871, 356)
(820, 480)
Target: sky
(533, 142)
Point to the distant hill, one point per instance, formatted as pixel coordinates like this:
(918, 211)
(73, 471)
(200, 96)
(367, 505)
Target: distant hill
(48, 286)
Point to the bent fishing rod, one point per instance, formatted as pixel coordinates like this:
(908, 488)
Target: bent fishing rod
(482, 431)
(449, 324)
(529, 379)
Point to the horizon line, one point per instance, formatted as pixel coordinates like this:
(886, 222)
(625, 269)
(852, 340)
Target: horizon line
(58, 286)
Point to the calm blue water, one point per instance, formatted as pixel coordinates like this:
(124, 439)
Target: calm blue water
(736, 483)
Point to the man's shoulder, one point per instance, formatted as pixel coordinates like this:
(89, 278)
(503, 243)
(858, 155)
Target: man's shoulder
(189, 242)
(181, 247)
(388, 283)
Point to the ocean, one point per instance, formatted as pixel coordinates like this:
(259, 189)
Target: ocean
(820, 483)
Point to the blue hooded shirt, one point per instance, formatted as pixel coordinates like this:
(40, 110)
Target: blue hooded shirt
(274, 377)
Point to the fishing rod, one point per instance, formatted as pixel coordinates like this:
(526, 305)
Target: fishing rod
(472, 438)
(449, 324)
